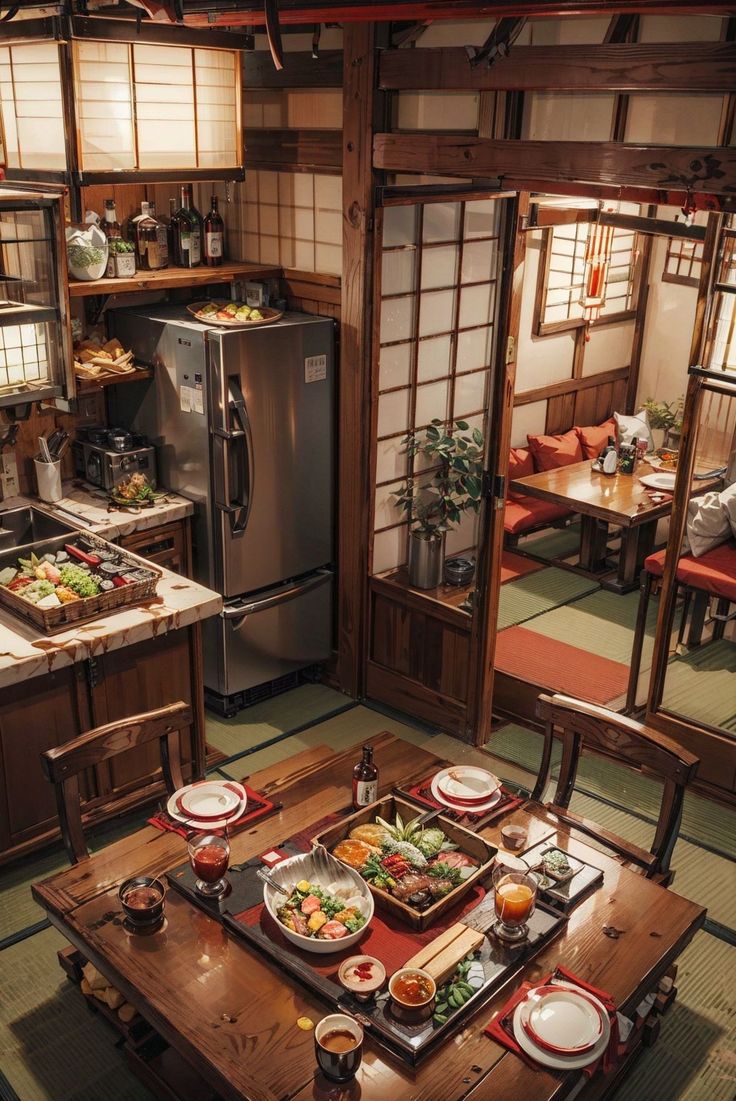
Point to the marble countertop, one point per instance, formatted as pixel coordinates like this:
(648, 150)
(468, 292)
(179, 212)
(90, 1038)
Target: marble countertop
(179, 602)
(90, 507)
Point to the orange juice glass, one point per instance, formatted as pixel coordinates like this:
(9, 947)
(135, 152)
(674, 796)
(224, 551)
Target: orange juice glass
(515, 899)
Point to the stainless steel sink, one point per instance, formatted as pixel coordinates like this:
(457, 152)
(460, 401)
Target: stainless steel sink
(21, 526)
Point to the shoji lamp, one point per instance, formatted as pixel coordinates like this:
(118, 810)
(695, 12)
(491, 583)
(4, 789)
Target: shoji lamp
(597, 261)
(90, 100)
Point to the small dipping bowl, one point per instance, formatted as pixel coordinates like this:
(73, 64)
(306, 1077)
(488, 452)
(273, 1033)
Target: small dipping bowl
(412, 1011)
(142, 899)
(514, 837)
(363, 986)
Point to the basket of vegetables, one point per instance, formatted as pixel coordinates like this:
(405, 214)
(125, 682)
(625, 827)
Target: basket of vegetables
(233, 315)
(72, 579)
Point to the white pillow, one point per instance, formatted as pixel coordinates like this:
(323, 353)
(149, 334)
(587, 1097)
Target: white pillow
(638, 425)
(728, 504)
(708, 524)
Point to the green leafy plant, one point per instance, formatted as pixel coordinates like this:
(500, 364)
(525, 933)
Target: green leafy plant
(665, 414)
(437, 499)
(118, 245)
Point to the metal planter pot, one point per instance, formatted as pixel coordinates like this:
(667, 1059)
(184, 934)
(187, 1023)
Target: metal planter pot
(426, 558)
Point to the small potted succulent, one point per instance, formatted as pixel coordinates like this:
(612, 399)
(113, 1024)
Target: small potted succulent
(436, 498)
(666, 417)
(121, 258)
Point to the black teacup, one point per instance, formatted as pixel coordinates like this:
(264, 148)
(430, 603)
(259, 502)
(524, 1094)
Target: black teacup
(338, 1042)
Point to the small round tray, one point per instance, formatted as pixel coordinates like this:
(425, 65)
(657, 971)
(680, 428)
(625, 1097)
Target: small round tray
(269, 316)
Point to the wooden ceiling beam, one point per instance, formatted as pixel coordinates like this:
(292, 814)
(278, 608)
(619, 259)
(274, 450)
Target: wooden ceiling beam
(300, 70)
(298, 150)
(635, 67)
(233, 13)
(671, 168)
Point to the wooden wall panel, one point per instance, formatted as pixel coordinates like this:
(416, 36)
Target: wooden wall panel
(43, 422)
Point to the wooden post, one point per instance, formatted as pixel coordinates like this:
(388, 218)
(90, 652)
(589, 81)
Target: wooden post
(359, 105)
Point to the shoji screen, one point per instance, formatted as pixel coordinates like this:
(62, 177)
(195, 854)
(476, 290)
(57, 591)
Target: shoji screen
(31, 104)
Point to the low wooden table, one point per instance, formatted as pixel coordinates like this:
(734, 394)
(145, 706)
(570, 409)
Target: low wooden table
(603, 499)
(232, 1016)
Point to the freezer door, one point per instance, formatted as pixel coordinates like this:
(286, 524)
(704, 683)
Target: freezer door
(255, 641)
(272, 417)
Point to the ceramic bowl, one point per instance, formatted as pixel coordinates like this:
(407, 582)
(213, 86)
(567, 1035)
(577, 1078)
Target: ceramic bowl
(410, 1011)
(146, 914)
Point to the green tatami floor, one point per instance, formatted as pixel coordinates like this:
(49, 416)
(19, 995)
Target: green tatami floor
(52, 1048)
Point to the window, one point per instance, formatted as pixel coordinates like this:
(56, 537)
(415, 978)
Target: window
(682, 262)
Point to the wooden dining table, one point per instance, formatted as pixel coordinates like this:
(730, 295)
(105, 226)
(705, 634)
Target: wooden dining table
(229, 1017)
(604, 500)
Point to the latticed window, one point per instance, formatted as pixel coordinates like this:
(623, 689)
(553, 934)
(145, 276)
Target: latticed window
(682, 262)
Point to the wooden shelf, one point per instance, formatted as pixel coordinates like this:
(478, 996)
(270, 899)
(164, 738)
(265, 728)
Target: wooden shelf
(172, 277)
(84, 385)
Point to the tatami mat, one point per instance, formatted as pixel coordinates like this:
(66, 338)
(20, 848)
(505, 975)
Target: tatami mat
(275, 716)
(602, 623)
(52, 1047)
(702, 685)
(556, 543)
(516, 565)
(538, 592)
(523, 653)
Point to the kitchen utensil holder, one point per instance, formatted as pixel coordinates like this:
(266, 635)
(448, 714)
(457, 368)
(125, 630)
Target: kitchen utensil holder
(48, 480)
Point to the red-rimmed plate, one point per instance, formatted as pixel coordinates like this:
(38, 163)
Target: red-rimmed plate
(209, 799)
(563, 1020)
(181, 814)
(464, 808)
(567, 1060)
(467, 785)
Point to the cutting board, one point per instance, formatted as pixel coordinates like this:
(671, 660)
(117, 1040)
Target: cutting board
(442, 955)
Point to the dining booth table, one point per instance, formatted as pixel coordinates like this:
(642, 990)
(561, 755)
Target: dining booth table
(603, 501)
(221, 1019)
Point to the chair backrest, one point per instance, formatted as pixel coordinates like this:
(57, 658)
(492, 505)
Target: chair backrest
(63, 764)
(582, 723)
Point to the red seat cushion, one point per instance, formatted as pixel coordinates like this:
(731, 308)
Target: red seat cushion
(594, 437)
(524, 513)
(654, 564)
(521, 465)
(549, 452)
(714, 572)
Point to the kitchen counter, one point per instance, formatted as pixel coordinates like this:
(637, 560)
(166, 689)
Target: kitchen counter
(90, 506)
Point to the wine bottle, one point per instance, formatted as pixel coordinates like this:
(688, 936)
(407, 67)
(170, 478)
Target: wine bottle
(365, 779)
(110, 224)
(187, 232)
(214, 236)
(162, 238)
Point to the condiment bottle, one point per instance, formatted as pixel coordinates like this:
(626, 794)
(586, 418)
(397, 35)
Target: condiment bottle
(608, 458)
(365, 780)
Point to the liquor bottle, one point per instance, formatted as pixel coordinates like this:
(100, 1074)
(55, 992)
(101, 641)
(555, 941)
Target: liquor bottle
(365, 780)
(214, 236)
(110, 224)
(149, 233)
(162, 237)
(170, 230)
(132, 230)
(187, 232)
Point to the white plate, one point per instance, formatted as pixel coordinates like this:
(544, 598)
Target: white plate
(210, 824)
(213, 799)
(664, 480)
(463, 808)
(548, 1058)
(565, 1020)
(467, 783)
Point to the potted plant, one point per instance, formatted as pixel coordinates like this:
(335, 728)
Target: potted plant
(121, 261)
(436, 499)
(666, 416)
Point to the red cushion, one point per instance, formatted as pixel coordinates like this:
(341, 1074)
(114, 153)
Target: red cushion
(521, 463)
(594, 437)
(550, 452)
(654, 563)
(524, 513)
(714, 572)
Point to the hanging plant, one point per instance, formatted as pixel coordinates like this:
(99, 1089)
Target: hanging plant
(436, 499)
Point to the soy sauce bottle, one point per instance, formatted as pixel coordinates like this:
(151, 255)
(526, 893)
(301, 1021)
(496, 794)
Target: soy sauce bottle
(365, 780)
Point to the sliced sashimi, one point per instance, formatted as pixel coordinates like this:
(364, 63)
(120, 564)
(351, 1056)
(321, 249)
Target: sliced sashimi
(333, 930)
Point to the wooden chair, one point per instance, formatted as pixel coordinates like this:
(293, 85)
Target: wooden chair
(63, 764)
(655, 754)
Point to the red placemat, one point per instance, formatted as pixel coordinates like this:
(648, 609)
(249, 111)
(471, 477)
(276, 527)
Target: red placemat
(500, 1027)
(257, 807)
(422, 792)
(388, 939)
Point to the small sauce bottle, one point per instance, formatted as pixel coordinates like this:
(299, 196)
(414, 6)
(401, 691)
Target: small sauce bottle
(365, 780)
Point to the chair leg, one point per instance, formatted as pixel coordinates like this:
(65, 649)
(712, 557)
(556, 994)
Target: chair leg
(685, 614)
(700, 607)
(719, 625)
(645, 589)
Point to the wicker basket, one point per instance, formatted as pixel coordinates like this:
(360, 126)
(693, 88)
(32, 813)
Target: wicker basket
(87, 608)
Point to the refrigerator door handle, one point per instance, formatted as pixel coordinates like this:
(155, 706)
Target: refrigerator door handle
(236, 504)
(236, 613)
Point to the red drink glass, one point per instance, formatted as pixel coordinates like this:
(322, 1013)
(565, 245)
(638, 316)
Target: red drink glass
(209, 856)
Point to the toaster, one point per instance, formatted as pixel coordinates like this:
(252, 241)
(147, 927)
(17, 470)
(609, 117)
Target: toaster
(105, 468)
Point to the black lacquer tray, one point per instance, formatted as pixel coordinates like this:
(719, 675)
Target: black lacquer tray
(410, 1042)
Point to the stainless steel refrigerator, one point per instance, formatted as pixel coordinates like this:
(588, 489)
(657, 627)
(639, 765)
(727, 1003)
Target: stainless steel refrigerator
(243, 423)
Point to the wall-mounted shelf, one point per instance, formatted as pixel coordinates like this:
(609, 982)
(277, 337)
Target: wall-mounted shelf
(172, 278)
(85, 385)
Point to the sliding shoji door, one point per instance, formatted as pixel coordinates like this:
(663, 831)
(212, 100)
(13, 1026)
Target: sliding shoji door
(440, 302)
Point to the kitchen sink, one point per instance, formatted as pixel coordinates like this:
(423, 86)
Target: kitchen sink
(21, 526)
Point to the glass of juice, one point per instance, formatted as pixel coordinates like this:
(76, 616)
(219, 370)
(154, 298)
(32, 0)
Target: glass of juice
(515, 895)
(209, 856)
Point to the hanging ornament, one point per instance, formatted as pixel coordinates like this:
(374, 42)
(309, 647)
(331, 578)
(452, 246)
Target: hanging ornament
(597, 261)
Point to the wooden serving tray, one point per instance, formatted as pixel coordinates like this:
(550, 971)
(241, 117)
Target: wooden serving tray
(468, 842)
(51, 620)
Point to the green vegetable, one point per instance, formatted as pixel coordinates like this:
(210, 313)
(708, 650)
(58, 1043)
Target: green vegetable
(117, 244)
(79, 581)
(85, 256)
(410, 852)
(444, 871)
(36, 591)
(7, 575)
